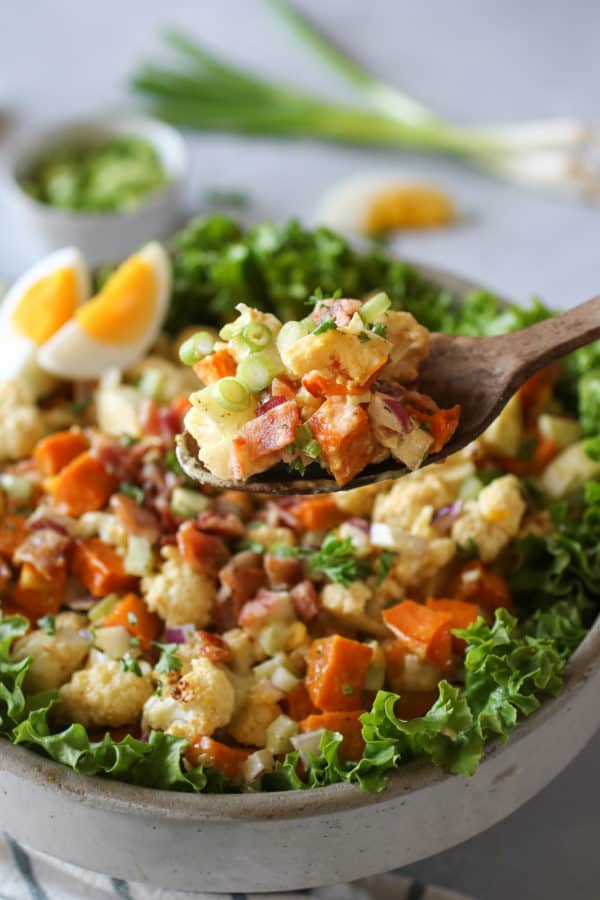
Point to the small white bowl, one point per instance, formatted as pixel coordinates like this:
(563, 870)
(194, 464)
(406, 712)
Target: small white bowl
(101, 236)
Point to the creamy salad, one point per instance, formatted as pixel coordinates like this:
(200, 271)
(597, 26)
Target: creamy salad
(166, 634)
(337, 389)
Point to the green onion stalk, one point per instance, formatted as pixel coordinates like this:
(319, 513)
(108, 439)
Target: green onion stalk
(203, 92)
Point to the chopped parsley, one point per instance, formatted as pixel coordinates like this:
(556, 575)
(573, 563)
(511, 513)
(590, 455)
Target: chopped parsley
(347, 689)
(304, 445)
(127, 440)
(326, 325)
(169, 660)
(132, 490)
(79, 407)
(383, 564)
(363, 337)
(337, 560)
(379, 329)
(130, 664)
(467, 551)
(47, 624)
(132, 618)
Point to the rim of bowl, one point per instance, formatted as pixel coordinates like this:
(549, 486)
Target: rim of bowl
(31, 147)
(120, 797)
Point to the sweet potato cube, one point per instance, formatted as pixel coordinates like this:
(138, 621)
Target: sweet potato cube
(345, 436)
(337, 669)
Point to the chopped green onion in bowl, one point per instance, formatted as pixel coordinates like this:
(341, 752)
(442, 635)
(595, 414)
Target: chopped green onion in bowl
(196, 348)
(116, 175)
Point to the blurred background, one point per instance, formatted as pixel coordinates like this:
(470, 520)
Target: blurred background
(474, 63)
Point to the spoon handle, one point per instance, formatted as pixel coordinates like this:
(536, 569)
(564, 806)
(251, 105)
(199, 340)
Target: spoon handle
(538, 345)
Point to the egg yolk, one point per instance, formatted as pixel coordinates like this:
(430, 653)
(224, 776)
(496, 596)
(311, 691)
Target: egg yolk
(124, 308)
(408, 206)
(46, 306)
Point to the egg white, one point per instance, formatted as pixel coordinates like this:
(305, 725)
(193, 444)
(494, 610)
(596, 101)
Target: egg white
(72, 353)
(18, 352)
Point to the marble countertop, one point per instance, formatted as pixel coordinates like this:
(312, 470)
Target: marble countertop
(472, 61)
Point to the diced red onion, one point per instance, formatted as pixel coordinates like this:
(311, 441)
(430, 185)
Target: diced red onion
(361, 524)
(397, 408)
(179, 634)
(54, 524)
(268, 404)
(445, 517)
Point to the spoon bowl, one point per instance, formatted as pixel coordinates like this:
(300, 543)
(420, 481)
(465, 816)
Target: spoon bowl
(478, 373)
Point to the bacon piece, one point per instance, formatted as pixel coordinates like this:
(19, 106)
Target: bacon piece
(121, 461)
(161, 421)
(282, 571)
(345, 437)
(226, 524)
(240, 579)
(260, 608)
(213, 647)
(45, 549)
(235, 503)
(306, 600)
(204, 553)
(272, 431)
(340, 310)
(136, 519)
(268, 404)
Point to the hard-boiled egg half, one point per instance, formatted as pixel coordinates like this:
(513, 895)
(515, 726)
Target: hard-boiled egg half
(35, 308)
(376, 204)
(119, 324)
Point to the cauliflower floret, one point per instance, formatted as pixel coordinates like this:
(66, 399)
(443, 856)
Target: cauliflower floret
(505, 434)
(410, 504)
(54, 656)
(171, 380)
(106, 526)
(21, 422)
(249, 724)
(353, 606)
(493, 519)
(418, 567)
(119, 410)
(410, 346)
(198, 703)
(104, 694)
(243, 649)
(337, 353)
(214, 428)
(178, 594)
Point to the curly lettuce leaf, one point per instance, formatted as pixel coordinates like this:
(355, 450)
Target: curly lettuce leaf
(12, 674)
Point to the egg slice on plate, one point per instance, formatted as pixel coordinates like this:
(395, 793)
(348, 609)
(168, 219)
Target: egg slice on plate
(119, 324)
(376, 204)
(35, 308)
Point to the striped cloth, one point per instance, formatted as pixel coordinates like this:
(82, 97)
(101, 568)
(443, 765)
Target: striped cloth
(29, 875)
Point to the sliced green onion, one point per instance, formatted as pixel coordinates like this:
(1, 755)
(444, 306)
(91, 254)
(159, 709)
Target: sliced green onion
(139, 558)
(16, 486)
(256, 372)
(292, 332)
(229, 331)
(151, 383)
(102, 609)
(186, 503)
(374, 308)
(196, 347)
(256, 335)
(231, 394)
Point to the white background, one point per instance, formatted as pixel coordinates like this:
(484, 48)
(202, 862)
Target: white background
(474, 60)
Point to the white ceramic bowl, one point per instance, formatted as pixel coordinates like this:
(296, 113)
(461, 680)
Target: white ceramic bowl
(100, 236)
(285, 841)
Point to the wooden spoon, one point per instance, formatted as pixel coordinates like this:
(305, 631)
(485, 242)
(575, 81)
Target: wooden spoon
(479, 373)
